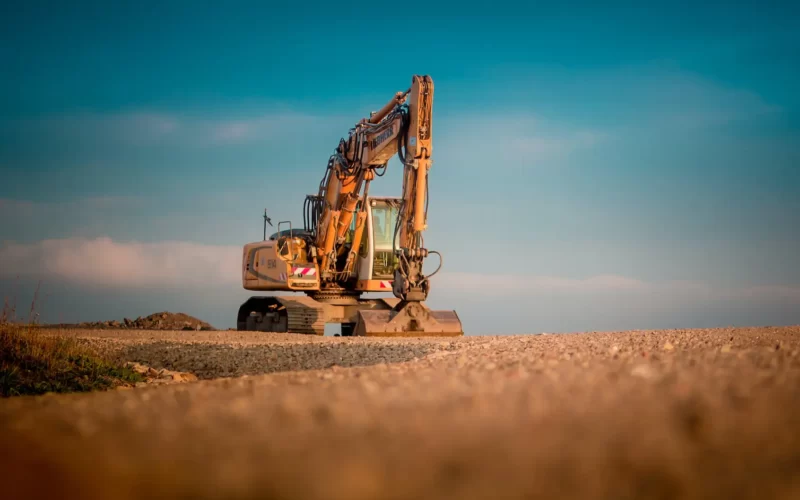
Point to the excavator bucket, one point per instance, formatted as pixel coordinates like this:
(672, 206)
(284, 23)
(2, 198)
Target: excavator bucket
(408, 319)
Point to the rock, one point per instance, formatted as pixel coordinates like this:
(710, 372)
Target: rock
(162, 376)
(127, 322)
(668, 346)
(726, 348)
(643, 371)
(184, 377)
(138, 368)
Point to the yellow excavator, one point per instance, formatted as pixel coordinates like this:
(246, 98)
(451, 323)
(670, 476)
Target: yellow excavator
(352, 243)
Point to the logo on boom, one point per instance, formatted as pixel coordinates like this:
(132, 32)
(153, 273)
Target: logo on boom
(380, 138)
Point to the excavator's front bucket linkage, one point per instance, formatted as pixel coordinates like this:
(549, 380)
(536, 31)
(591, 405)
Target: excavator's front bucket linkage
(408, 319)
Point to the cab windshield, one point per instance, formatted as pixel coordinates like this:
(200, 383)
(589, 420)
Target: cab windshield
(384, 218)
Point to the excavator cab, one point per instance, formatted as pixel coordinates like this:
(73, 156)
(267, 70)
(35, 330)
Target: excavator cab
(377, 260)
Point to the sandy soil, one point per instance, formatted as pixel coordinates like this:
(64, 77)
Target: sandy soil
(689, 414)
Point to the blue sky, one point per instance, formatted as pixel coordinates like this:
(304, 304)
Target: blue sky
(598, 168)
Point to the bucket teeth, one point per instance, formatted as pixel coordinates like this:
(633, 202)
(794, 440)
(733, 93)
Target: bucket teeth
(408, 319)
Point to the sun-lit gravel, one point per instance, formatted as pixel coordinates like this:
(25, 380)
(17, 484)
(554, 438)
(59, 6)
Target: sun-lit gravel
(671, 414)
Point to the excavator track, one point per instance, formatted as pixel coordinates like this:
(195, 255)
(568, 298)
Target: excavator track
(305, 315)
(283, 314)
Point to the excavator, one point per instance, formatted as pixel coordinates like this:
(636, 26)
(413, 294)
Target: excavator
(352, 243)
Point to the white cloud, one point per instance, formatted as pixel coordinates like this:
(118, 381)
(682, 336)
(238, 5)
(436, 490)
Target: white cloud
(134, 128)
(783, 292)
(514, 139)
(233, 131)
(10, 208)
(28, 220)
(146, 128)
(107, 263)
(267, 126)
(146, 125)
(515, 284)
(218, 218)
(658, 97)
(553, 146)
(683, 99)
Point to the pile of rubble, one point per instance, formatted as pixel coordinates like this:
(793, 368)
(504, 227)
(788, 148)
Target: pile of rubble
(158, 321)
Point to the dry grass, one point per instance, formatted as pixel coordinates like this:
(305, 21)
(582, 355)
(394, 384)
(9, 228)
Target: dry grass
(32, 362)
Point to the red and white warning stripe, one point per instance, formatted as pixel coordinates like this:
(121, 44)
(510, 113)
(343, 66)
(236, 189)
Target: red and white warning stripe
(304, 271)
(283, 276)
(386, 284)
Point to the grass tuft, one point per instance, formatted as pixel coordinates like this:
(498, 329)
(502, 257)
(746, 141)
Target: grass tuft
(35, 363)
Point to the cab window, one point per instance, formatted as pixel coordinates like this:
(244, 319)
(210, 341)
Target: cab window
(384, 218)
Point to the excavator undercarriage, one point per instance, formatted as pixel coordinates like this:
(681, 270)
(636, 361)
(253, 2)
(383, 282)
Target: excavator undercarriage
(364, 317)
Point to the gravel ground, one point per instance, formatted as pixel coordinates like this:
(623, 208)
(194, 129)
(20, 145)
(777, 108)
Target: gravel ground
(689, 414)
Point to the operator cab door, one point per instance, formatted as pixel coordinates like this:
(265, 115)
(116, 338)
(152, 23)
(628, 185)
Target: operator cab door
(376, 255)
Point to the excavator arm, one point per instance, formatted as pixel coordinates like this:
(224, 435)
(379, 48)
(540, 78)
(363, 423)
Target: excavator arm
(402, 127)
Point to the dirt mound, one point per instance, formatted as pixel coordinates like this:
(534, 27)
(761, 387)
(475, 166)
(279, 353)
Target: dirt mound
(158, 321)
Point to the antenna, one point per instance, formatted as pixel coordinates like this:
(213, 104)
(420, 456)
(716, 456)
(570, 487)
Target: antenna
(266, 220)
